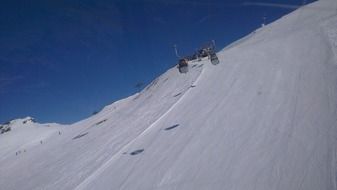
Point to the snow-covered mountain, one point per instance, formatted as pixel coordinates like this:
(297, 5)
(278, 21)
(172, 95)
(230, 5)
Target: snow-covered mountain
(264, 118)
(19, 135)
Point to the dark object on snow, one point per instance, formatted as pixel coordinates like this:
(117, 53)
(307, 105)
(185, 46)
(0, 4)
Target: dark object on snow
(137, 152)
(29, 120)
(80, 135)
(5, 129)
(214, 58)
(177, 94)
(172, 127)
(183, 65)
(100, 122)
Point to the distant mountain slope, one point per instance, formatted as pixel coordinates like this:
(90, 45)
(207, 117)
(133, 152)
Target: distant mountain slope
(23, 135)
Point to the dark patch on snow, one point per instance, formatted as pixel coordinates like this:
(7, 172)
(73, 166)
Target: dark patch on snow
(192, 86)
(200, 65)
(259, 93)
(100, 122)
(194, 66)
(80, 135)
(136, 152)
(29, 120)
(172, 127)
(5, 129)
(177, 94)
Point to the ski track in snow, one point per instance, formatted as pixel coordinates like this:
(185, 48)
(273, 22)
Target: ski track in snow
(104, 166)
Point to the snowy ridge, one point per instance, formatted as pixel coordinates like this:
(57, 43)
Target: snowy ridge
(264, 118)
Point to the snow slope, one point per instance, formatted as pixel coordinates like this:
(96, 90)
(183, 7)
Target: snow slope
(24, 134)
(264, 118)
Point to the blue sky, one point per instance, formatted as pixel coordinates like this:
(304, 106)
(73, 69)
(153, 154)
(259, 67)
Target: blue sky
(62, 60)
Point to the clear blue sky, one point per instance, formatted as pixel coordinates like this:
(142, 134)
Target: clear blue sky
(60, 60)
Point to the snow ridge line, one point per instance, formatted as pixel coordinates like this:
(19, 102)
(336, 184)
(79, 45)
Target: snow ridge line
(104, 166)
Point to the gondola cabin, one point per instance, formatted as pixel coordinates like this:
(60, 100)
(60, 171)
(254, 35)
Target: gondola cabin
(214, 58)
(183, 65)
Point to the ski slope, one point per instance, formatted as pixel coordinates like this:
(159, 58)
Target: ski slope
(264, 118)
(23, 136)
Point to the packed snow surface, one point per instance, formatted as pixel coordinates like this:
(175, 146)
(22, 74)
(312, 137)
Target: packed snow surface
(264, 118)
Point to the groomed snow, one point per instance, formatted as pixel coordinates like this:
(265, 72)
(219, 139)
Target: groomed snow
(264, 118)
